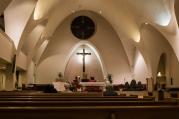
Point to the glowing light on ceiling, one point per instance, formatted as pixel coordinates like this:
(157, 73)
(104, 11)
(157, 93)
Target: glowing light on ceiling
(136, 36)
(160, 12)
(163, 18)
(156, 11)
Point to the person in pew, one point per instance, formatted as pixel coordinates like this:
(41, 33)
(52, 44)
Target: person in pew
(110, 91)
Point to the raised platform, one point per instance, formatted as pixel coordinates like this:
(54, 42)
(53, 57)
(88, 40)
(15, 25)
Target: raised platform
(93, 86)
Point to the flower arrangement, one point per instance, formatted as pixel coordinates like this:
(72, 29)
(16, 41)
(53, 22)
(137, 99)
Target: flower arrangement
(109, 77)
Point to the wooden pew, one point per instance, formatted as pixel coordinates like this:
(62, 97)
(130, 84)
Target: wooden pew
(29, 99)
(38, 96)
(91, 112)
(83, 103)
(52, 97)
(40, 105)
(40, 93)
(74, 99)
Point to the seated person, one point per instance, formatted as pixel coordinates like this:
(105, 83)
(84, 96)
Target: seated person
(109, 91)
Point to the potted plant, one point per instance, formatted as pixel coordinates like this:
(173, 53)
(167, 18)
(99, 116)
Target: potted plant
(109, 77)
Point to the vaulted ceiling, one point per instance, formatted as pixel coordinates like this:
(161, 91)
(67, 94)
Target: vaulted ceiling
(127, 17)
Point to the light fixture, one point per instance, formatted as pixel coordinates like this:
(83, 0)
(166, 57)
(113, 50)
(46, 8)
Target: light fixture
(159, 74)
(146, 23)
(100, 11)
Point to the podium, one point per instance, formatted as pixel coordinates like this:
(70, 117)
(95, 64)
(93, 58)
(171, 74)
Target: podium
(93, 86)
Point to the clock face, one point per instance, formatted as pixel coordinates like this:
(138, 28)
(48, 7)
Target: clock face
(83, 27)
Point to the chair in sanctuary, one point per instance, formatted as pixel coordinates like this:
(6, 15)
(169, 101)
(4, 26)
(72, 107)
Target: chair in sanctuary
(126, 86)
(133, 85)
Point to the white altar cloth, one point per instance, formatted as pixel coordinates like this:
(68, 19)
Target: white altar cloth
(102, 84)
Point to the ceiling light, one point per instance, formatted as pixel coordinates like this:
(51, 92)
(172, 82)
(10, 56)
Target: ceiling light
(159, 74)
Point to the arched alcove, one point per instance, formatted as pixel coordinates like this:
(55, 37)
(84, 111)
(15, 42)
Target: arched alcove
(161, 70)
(93, 66)
(152, 45)
(162, 64)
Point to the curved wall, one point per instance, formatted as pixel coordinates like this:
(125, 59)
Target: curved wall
(62, 42)
(154, 44)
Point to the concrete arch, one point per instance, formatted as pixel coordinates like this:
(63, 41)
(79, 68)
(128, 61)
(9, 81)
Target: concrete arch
(127, 25)
(112, 51)
(18, 16)
(33, 37)
(160, 40)
(39, 50)
(94, 49)
(37, 40)
(96, 13)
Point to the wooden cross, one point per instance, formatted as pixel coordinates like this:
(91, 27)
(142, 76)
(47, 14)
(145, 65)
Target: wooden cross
(83, 54)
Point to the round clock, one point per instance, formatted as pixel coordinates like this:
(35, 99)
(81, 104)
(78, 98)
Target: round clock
(83, 27)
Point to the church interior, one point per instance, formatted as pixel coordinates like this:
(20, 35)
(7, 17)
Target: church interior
(110, 58)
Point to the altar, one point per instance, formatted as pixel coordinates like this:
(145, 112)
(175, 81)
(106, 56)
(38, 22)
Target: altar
(92, 86)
